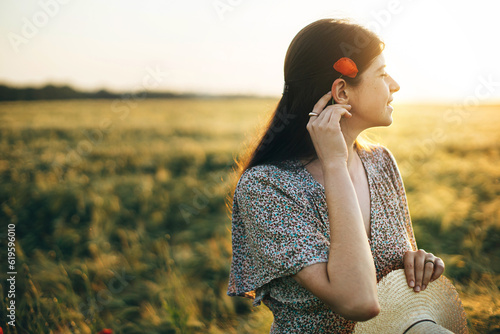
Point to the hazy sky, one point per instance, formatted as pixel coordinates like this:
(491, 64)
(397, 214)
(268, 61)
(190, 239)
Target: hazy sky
(436, 50)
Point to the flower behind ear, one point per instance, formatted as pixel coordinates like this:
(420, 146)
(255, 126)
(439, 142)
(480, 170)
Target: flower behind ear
(346, 66)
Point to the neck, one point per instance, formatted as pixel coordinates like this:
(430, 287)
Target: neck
(350, 152)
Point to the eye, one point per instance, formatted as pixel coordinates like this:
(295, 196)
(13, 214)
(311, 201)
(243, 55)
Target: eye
(385, 75)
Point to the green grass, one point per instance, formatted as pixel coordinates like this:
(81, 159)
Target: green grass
(121, 219)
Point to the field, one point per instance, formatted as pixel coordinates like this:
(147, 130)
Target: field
(121, 219)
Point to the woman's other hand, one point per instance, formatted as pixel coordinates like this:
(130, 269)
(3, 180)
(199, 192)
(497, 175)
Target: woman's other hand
(421, 268)
(325, 132)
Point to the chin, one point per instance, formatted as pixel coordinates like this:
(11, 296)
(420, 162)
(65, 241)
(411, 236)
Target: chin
(388, 119)
(385, 122)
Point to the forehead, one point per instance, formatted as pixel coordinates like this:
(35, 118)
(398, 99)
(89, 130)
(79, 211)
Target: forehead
(378, 63)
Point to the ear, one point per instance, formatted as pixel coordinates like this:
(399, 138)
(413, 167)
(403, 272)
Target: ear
(339, 92)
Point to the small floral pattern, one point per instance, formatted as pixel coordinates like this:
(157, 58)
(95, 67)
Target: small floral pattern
(280, 225)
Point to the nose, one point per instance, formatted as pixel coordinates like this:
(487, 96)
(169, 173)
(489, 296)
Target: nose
(394, 86)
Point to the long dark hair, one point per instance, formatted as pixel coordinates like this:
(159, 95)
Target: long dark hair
(309, 74)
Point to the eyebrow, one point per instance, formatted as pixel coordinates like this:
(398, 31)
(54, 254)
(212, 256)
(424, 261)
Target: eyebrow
(381, 68)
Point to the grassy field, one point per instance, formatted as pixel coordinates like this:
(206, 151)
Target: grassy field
(121, 220)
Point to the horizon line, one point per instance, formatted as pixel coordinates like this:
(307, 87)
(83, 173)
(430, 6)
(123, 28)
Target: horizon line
(113, 93)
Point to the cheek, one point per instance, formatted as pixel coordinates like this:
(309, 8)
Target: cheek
(379, 95)
(368, 92)
(368, 96)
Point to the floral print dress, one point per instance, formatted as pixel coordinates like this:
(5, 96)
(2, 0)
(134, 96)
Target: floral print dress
(280, 225)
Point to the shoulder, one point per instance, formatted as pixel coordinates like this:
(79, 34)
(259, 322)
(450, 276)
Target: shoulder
(278, 173)
(380, 154)
(385, 164)
(262, 179)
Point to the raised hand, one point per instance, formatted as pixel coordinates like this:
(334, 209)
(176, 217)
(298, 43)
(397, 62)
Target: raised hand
(325, 129)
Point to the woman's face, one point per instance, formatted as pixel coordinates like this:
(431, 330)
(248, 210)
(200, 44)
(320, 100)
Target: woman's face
(370, 99)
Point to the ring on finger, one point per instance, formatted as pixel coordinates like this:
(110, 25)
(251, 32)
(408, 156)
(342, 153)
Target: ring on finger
(313, 114)
(431, 261)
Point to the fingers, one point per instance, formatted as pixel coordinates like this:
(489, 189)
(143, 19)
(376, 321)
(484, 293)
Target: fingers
(325, 130)
(319, 107)
(409, 266)
(438, 269)
(421, 268)
(321, 104)
(331, 114)
(344, 112)
(428, 269)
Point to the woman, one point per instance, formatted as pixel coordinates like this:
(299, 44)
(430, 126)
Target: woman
(318, 216)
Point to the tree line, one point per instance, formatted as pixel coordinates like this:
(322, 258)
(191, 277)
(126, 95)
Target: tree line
(65, 92)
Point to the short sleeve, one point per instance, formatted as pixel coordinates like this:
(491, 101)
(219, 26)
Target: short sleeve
(391, 167)
(274, 232)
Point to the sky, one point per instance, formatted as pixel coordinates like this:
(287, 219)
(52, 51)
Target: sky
(436, 50)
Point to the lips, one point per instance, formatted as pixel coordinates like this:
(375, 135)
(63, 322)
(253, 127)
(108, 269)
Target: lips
(389, 101)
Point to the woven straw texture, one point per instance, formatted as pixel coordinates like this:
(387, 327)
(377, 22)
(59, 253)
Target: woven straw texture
(401, 307)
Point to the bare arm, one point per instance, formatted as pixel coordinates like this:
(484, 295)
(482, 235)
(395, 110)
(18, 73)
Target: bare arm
(347, 283)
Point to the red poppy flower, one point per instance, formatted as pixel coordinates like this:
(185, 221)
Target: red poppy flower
(106, 331)
(346, 66)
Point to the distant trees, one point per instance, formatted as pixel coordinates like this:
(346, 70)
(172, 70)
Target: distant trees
(48, 92)
(65, 92)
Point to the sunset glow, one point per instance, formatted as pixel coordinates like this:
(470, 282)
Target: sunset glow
(437, 51)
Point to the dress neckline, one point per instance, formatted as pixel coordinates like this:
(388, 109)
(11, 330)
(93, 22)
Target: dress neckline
(364, 162)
